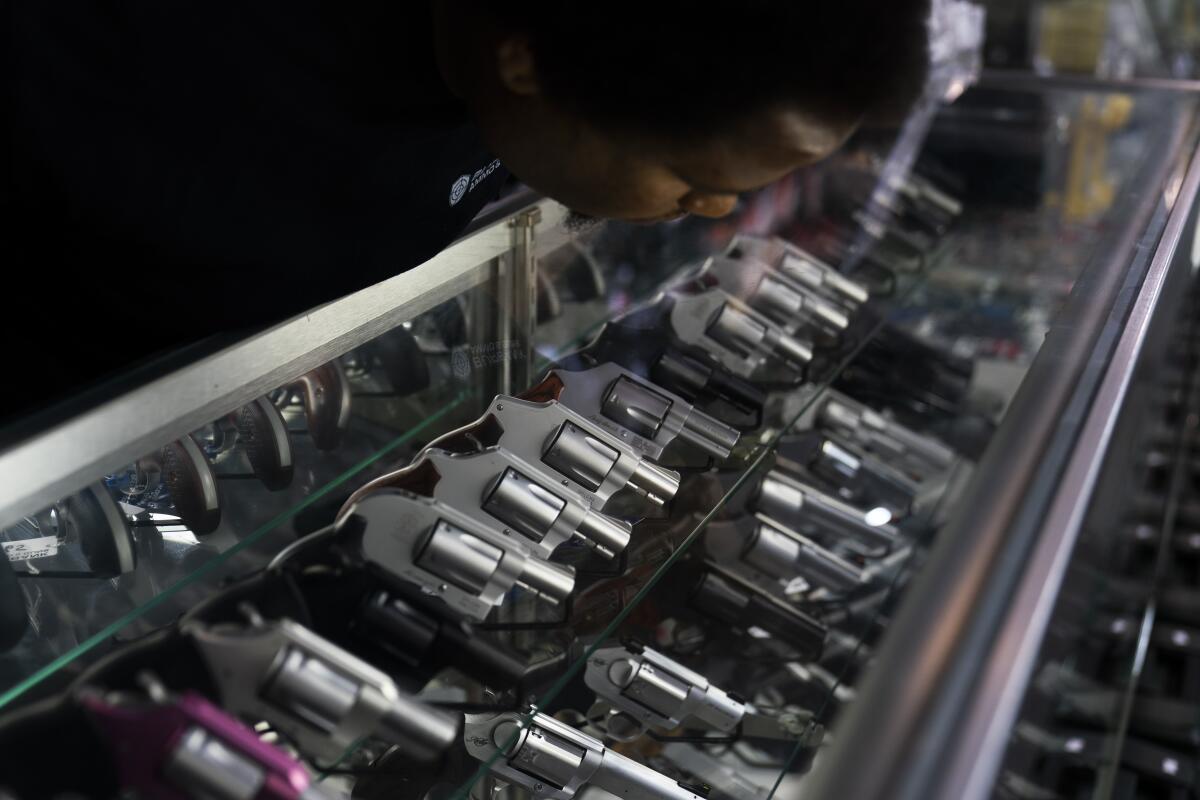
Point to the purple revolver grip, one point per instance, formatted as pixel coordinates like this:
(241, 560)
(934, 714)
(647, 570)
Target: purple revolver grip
(188, 748)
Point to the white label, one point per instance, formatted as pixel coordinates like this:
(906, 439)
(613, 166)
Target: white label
(28, 549)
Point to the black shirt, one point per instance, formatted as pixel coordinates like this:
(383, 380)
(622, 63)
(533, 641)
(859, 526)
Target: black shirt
(191, 167)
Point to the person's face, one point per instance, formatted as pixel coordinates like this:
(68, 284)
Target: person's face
(638, 177)
(627, 176)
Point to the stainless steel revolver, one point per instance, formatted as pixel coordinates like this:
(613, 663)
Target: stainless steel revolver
(646, 689)
(554, 761)
(802, 267)
(786, 301)
(736, 336)
(315, 693)
(642, 414)
(497, 488)
(450, 555)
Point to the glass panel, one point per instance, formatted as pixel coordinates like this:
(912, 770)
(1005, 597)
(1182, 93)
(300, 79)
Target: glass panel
(1111, 709)
(787, 453)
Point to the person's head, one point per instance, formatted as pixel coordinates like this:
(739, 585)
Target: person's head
(646, 110)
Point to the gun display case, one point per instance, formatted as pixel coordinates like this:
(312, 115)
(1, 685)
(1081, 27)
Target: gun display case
(879, 488)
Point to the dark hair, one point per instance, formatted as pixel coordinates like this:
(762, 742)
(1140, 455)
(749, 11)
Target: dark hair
(668, 66)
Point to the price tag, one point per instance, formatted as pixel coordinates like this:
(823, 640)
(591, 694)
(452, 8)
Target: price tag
(28, 549)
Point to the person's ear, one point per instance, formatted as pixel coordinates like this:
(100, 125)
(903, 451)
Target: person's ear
(514, 62)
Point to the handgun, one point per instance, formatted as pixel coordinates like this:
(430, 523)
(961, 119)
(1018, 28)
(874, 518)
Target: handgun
(805, 509)
(644, 415)
(921, 456)
(842, 470)
(448, 554)
(789, 303)
(554, 761)
(640, 342)
(768, 554)
(591, 460)
(802, 267)
(737, 337)
(379, 617)
(508, 494)
(646, 689)
(175, 747)
(317, 694)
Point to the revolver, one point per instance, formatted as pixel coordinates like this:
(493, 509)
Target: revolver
(592, 461)
(842, 470)
(734, 335)
(646, 689)
(183, 747)
(797, 506)
(918, 455)
(449, 554)
(802, 267)
(638, 412)
(771, 555)
(497, 489)
(786, 301)
(554, 761)
(637, 342)
(381, 619)
(320, 696)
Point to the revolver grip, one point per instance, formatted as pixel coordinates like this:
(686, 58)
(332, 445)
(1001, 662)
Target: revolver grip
(193, 488)
(326, 404)
(268, 444)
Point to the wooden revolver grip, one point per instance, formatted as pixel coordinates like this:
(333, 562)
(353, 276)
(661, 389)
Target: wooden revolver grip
(419, 478)
(326, 404)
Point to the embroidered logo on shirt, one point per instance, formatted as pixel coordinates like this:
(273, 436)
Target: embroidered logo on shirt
(459, 189)
(467, 183)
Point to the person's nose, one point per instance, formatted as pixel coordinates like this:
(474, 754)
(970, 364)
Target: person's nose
(703, 204)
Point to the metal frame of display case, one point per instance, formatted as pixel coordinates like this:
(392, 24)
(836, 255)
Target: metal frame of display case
(43, 468)
(960, 652)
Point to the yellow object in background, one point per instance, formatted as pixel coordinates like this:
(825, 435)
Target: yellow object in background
(1071, 35)
(1090, 190)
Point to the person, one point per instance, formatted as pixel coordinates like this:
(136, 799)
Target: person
(183, 169)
